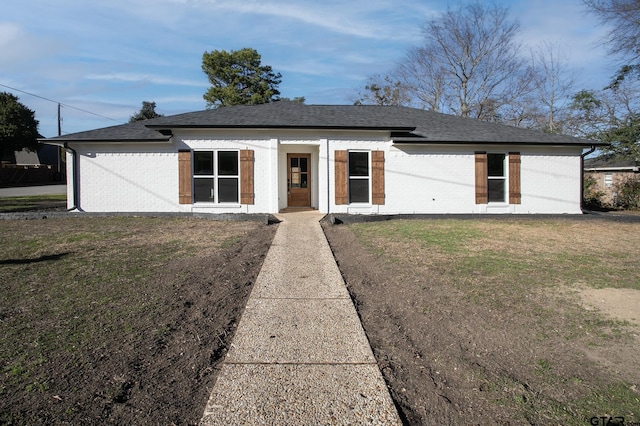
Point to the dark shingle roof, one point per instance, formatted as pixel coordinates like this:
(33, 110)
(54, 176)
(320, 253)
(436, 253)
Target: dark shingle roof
(136, 131)
(407, 125)
(609, 162)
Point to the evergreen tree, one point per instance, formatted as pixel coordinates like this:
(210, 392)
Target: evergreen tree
(239, 78)
(18, 126)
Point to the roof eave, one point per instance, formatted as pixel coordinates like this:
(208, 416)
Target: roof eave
(272, 127)
(613, 169)
(62, 141)
(424, 141)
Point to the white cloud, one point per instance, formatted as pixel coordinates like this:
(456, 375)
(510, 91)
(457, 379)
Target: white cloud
(145, 78)
(361, 18)
(19, 47)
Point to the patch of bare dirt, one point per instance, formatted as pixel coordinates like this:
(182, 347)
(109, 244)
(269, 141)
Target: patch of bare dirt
(165, 376)
(620, 303)
(450, 360)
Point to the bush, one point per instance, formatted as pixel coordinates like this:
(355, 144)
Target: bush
(629, 193)
(592, 197)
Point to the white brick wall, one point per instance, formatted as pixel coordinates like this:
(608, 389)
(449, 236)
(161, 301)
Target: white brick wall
(418, 179)
(550, 183)
(437, 179)
(124, 179)
(429, 180)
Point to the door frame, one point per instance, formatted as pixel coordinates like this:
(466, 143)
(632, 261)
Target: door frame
(307, 201)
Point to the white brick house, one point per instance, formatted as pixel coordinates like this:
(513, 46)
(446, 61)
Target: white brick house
(336, 159)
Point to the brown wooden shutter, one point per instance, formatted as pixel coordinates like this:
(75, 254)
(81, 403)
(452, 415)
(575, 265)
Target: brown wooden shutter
(247, 195)
(514, 178)
(482, 195)
(377, 177)
(341, 178)
(184, 177)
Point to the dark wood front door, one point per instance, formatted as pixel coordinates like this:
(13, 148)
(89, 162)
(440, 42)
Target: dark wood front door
(299, 180)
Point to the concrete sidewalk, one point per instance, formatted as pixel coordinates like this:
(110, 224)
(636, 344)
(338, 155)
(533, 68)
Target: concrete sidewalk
(20, 191)
(300, 355)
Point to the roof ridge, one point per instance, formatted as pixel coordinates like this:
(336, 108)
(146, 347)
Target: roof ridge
(426, 126)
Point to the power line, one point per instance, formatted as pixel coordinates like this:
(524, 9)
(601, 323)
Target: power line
(60, 103)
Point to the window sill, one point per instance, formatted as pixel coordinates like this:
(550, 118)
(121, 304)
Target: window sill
(216, 205)
(355, 208)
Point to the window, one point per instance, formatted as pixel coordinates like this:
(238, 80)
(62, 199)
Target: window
(299, 168)
(215, 176)
(496, 178)
(491, 178)
(608, 181)
(358, 177)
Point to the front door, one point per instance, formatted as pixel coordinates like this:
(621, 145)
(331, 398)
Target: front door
(299, 180)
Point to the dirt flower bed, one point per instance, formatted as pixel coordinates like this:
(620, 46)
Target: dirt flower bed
(119, 320)
(484, 322)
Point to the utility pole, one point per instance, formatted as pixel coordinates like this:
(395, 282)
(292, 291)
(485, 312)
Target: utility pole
(59, 121)
(60, 152)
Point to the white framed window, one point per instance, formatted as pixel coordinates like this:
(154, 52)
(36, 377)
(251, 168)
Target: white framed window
(359, 177)
(496, 178)
(216, 176)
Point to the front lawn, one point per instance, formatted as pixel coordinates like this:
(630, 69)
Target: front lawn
(486, 321)
(33, 202)
(119, 320)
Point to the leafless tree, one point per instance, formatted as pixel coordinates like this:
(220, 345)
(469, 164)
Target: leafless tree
(467, 64)
(623, 19)
(381, 90)
(553, 85)
(523, 108)
(423, 79)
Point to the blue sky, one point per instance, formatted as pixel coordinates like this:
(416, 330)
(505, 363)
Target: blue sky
(108, 56)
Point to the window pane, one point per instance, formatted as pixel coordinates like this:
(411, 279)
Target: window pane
(294, 181)
(496, 190)
(303, 164)
(358, 164)
(228, 190)
(228, 163)
(608, 181)
(203, 190)
(304, 180)
(203, 163)
(358, 190)
(294, 161)
(495, 164)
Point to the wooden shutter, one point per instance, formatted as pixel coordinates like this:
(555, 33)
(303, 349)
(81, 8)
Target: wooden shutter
(184, 176)
(514, 178)
(247, 195)
(377, 177)
(341, 178)
(482, 195)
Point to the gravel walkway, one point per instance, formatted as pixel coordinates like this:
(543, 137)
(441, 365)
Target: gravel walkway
(300, 355)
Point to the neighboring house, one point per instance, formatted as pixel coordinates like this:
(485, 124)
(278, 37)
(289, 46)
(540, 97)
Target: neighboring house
(337, 159)
(27, 158)
(30, 167)
(609, 174)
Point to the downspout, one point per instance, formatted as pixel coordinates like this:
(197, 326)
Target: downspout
(74, 177)
(591, 150)
(328, 182)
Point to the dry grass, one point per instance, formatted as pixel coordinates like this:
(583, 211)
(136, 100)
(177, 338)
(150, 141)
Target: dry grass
(525, 252)
(530, 271)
